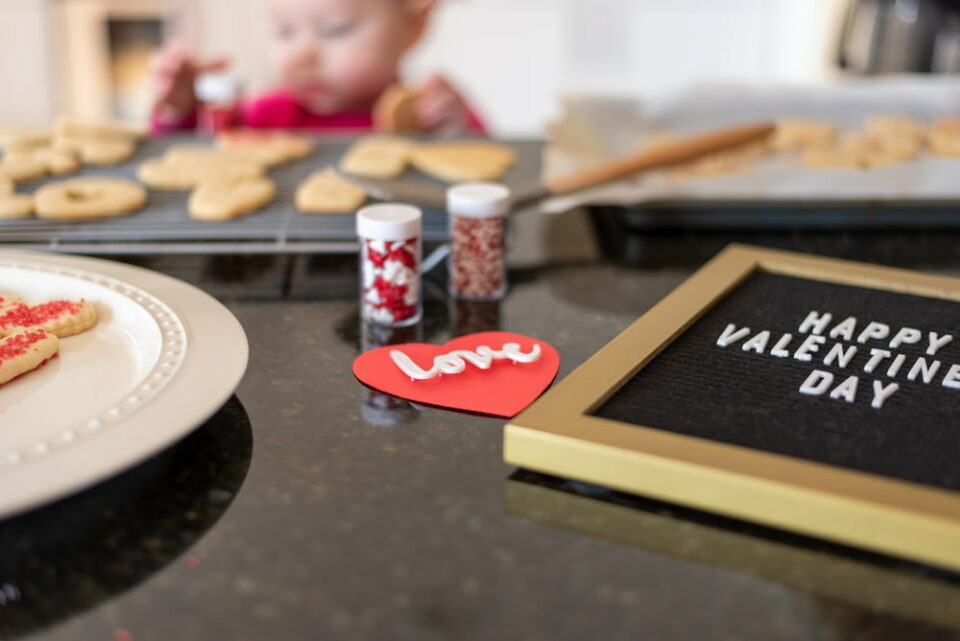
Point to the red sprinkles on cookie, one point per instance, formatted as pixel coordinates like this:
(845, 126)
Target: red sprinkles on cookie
(19, 344)
(25, 351)
(60, 317)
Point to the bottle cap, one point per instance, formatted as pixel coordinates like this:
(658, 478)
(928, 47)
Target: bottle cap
(478, 200)
(217, 87)
(389, 221)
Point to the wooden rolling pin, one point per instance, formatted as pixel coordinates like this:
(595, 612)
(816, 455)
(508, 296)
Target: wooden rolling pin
(662, 156)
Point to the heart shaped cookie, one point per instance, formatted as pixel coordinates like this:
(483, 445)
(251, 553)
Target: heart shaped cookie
(495, 373)
(61, 318)
(24, 351)
(229, 199)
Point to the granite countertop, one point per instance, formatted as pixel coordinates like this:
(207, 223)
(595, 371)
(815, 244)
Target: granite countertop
(312, 508)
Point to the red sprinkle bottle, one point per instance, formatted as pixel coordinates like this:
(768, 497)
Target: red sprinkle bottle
(477, 238)
(390, 264)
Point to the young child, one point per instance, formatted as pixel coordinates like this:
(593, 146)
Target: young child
(333, 59)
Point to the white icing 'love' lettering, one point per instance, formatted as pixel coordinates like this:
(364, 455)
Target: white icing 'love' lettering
(456, 361)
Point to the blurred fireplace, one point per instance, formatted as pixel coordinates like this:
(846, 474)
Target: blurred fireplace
(104, 49)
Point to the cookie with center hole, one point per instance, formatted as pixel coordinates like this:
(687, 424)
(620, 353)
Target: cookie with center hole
(89, 198)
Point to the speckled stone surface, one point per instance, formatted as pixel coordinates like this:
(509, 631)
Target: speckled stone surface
(311, 508)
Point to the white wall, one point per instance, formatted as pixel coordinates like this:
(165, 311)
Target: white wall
(517, 57)
(27, 95)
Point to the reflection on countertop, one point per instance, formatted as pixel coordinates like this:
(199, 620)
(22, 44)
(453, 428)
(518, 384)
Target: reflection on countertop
(844, 583)
(60, 560)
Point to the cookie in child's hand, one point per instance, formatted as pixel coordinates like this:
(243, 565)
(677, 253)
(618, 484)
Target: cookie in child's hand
(24, 351)
(396, 111)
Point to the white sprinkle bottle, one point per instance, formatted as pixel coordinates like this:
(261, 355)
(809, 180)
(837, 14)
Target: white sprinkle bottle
(390, 264)
(477, 236)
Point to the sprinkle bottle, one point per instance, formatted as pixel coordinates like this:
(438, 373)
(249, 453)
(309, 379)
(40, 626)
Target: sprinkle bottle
(477, 237)
(390, 264)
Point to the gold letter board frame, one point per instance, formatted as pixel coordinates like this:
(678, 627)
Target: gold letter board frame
(559, 435)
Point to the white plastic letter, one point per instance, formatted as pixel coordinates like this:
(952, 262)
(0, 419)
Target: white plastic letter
(895, 366)
(845, 329)
(936, 342)
(846, 390)
(874, 330)
(780, 349)
(952, 379)
(876, 355)
(810, 344)
(906, 335)
(817, 383)
(815, 323)
(920, 367)
(881, 393)
(758, 343)
(837, 353)
(731, 335)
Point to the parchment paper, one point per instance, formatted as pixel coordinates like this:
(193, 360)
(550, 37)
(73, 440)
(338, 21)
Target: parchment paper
(596, 129)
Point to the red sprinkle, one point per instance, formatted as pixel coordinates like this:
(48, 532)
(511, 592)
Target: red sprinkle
(25, 316)
(19, 344)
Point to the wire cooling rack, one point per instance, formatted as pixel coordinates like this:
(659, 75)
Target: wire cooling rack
(164, 227)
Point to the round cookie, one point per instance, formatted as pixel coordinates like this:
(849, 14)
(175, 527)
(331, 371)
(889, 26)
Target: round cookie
(89, 198)
(16, 206)
(228, 199)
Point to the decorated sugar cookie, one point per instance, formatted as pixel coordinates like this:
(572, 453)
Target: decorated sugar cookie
(61, 318)
(496, 373)
(24, 351)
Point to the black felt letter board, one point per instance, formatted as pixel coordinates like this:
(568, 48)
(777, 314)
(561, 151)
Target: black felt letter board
(698, 388)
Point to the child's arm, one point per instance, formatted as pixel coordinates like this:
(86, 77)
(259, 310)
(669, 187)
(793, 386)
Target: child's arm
(173, 73)
(442, 109)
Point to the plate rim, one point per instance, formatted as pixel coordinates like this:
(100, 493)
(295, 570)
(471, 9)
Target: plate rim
(214, 342)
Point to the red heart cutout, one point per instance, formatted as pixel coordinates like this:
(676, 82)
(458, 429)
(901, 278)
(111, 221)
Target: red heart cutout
(502, 390)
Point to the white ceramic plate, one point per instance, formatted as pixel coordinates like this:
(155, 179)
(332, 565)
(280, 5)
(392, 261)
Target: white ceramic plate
(163, 358)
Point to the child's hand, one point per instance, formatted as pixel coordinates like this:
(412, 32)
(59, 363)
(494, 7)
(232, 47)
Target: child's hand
(173, 72)
(441, 108)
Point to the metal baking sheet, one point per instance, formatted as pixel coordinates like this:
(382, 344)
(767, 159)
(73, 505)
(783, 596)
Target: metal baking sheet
(594, 130)
(164, 226)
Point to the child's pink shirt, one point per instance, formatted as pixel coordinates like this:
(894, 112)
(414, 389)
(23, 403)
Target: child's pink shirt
(280, 110)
